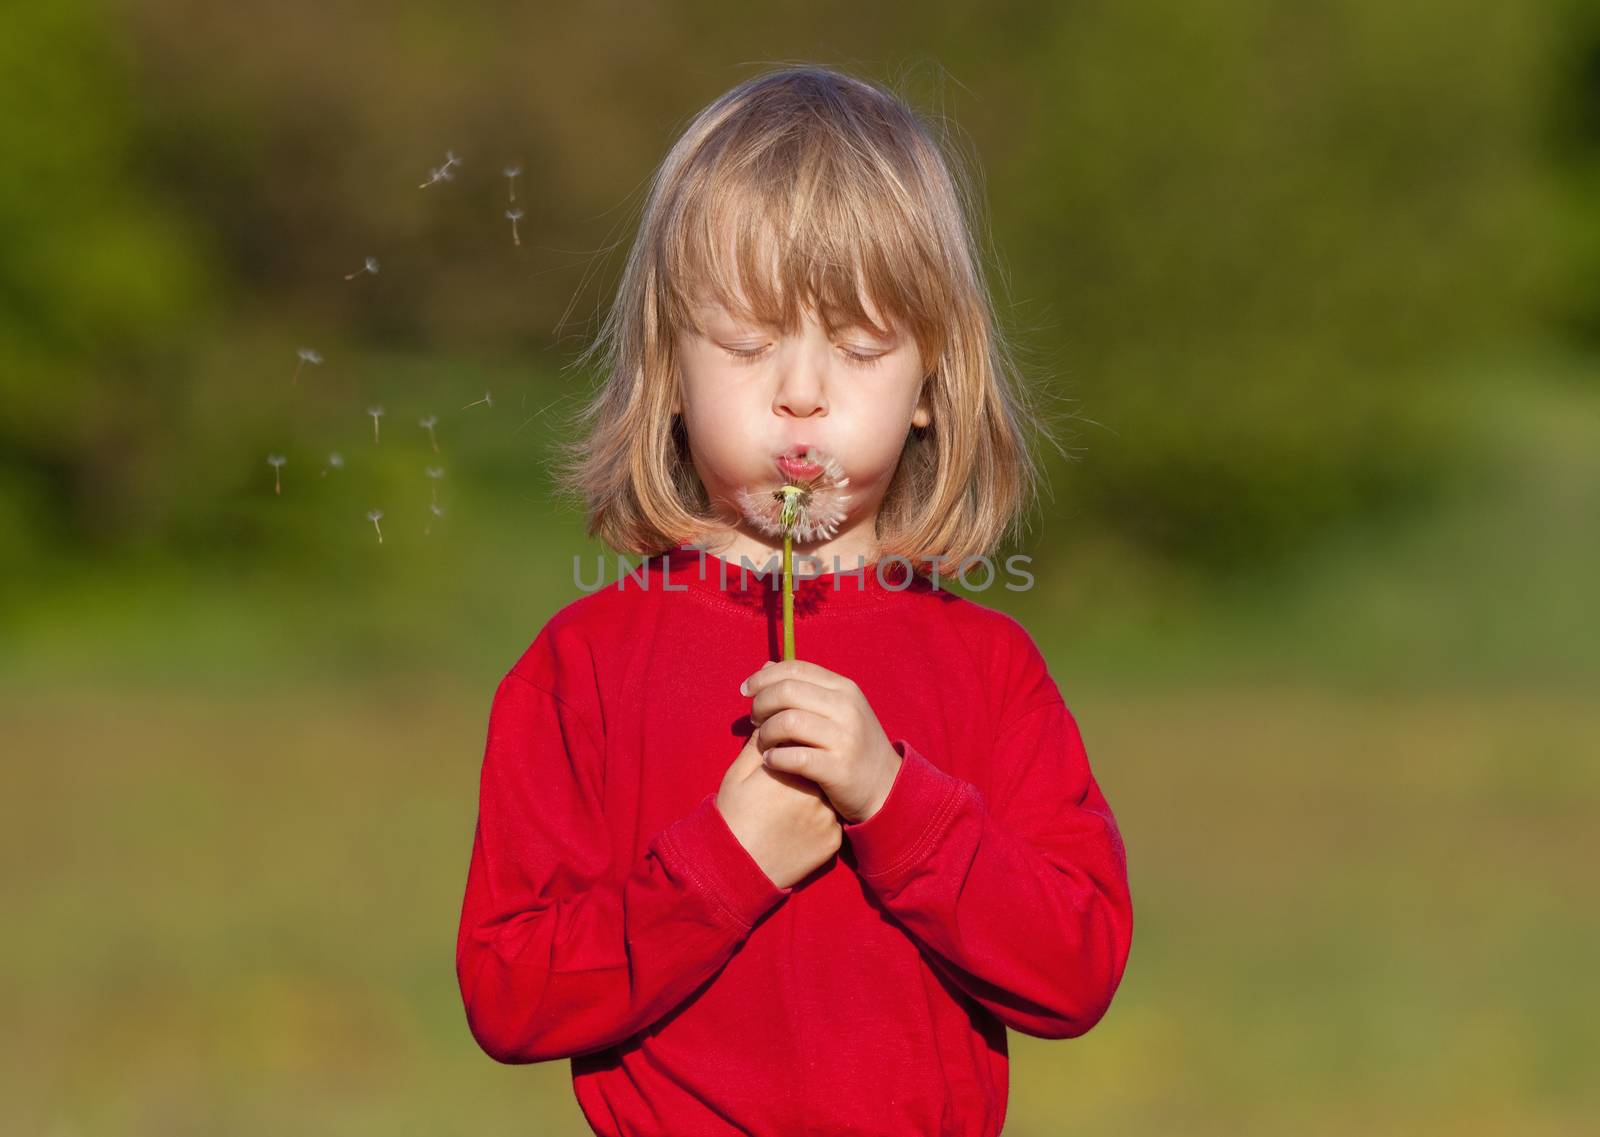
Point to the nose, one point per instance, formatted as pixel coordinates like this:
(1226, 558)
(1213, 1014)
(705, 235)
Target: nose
(799, 392)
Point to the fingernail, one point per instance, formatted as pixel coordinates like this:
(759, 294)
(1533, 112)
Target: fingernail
(744, 687)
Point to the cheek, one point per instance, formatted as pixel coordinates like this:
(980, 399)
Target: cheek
(720, 408)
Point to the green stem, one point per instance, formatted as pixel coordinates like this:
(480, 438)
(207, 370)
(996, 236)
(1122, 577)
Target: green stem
(788, 598)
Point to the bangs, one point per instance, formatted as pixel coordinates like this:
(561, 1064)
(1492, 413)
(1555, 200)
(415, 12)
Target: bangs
(811, 223)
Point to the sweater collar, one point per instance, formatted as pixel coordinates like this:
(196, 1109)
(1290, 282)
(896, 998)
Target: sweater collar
(733, 583)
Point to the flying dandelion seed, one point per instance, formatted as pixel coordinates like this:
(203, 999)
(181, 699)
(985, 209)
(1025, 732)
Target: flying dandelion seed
(276, 461)
(436, 510)
(307, 355)
(427, 424)
(486, 401)
(514, 215)
(335, 462)
(370, 265)
(434, 474)
(374, 516)
(376, 413)
(809, 504)
(511, 173)
(442, 173)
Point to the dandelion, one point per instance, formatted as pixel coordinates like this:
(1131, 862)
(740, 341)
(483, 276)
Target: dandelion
(307, 355)
(514, 215)
(435, 473)
(511, 173)
(276, 461)
(810, 504)
(436, 510)
(335, 462)
(374, 515)
(485, 401)
(428, 423)
(369, 265)
(442, 173)
(376, 413)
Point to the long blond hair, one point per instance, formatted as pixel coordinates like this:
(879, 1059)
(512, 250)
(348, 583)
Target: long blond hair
(839, 185)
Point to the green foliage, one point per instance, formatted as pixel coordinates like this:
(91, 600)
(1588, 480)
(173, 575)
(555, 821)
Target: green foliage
(1266, 233)
(1247, 245)
(100, 284)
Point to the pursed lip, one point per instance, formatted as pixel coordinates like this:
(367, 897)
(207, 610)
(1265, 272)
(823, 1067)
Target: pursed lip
(791, 463)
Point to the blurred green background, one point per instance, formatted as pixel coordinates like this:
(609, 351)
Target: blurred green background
(1314, 289)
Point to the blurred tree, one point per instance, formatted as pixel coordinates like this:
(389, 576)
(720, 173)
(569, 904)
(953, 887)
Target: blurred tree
(99, 284)
(1248, 241)
(1268, 230)
(1573, 138)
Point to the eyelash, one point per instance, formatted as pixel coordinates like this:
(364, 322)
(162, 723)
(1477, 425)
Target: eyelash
(855, 358)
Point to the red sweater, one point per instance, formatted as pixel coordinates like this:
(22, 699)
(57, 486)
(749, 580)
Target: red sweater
(612, 917)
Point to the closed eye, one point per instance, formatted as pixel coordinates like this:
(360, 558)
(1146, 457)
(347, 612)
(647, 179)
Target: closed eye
(857, 358)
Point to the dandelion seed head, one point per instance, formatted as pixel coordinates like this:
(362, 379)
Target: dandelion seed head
(436, 509)
(375, 411)
(371, 264)
(374, 515)
(336, 460)
(428, 422)
(276, 460)
(806, 509)
(512, 171)
(435, 472)
(309, 355)
(513, 215)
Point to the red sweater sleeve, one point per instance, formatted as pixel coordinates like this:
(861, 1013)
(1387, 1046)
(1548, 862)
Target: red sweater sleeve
(557, 954)
(1024, 905)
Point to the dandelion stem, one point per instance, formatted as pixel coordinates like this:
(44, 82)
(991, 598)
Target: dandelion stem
(788, 597)
(792, 495)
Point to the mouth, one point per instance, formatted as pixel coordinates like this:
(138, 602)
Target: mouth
(799, 463)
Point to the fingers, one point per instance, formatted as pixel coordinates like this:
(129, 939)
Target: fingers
(798, 693)
(793, 781)
(775, 671)
(794, 726)
(797, 761)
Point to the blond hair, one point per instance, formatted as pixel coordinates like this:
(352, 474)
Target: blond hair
(836, 184)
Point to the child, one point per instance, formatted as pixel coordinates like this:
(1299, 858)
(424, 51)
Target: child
(808, 895)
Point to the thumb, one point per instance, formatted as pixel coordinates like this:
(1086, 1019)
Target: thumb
(750, 753)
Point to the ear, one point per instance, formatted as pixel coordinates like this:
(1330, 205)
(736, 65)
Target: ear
(923, 414)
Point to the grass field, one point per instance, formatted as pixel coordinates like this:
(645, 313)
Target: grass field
(1359, 809)
(1353, 913)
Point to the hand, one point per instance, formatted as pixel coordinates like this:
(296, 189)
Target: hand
(783, 821)
(816, 723)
